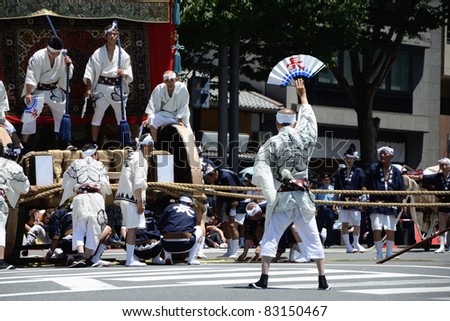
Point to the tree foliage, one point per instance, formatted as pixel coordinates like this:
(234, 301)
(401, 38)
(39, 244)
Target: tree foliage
(370, 31)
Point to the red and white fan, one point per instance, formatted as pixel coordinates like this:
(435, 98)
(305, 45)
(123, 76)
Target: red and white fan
(294, 67)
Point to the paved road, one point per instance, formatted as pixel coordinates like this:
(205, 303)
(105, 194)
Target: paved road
(414, 276)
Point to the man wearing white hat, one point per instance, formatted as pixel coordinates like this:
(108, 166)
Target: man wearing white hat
(281, 170)
(131, 194)
(441, 182)
(87, 182)
(383, 176)
(45, 82)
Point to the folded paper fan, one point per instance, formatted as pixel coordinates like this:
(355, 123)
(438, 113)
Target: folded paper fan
(294, 67)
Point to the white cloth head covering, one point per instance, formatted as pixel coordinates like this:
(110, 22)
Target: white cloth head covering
(444, 160)
(12, 151)
(285, 118)
(354, 155)
(255, 210)
(208, 169)
(144, 140)
(89, 150)
(185, 199)
(386, 149)
(169, 76)
(113, 27)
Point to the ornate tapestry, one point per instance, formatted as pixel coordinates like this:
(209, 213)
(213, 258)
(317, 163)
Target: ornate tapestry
(20, 38)
(136, 10)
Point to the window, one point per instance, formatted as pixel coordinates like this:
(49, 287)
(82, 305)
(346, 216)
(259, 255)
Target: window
(394, 94)
(398, 78)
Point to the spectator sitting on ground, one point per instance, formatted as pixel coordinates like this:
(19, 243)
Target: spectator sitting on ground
(214, 235)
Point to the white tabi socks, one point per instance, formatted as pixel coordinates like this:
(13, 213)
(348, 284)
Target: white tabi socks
(389, 247)
(356, 244)
(229, 248)
(131, 261)
(96, 258)
(193, 254)
(379, 247)
(200, 252)
(234, 249)
(348, 246)
(292, 251)
(303, 257)
(441, 248)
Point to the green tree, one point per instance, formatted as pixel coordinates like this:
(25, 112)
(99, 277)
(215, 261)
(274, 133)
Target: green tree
(369, 31)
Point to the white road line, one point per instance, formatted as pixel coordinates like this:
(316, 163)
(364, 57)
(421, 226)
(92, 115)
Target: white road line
(312, 278)
(401, 290)
(84, 284)
(231, 275)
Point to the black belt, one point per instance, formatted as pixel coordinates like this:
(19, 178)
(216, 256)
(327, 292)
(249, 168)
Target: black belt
(46, 86)
(88, 189)
(108, 81)
(294, 185)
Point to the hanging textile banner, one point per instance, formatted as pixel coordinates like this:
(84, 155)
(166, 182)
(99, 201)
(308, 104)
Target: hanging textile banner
(135, 10)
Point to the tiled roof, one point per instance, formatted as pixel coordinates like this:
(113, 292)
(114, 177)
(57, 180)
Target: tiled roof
(250, 100)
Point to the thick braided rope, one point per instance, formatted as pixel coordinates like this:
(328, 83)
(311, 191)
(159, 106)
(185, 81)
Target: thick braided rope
(366, 204)
(372, 192)
(41, 195)
(199, 190)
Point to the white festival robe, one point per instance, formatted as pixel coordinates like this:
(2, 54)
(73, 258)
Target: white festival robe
(39, 70)
(133, 176)
(84, 171)
(100, 65)
(13, 182)
(286, 156)
(176, 106)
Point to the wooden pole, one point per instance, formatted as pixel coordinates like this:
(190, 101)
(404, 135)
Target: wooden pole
(429, 238)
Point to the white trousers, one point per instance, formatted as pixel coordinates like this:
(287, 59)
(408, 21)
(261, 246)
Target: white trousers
(308, 232)
(55, 99)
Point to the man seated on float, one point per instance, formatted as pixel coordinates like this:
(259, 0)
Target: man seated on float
(168, 104)
(178, 225)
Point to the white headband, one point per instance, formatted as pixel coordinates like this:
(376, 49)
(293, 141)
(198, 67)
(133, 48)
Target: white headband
(52, 49)
(444, 160)
(255, 210)
(112, 28)
(88, 152)
(169, 76)
(355, 155)
(209, 169)
(285, 118)
(386, 149)
(146, 141)
(185, 199)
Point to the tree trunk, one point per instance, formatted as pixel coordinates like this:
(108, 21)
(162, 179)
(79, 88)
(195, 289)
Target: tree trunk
(234, 103)
(223, 106)
(367, 133)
